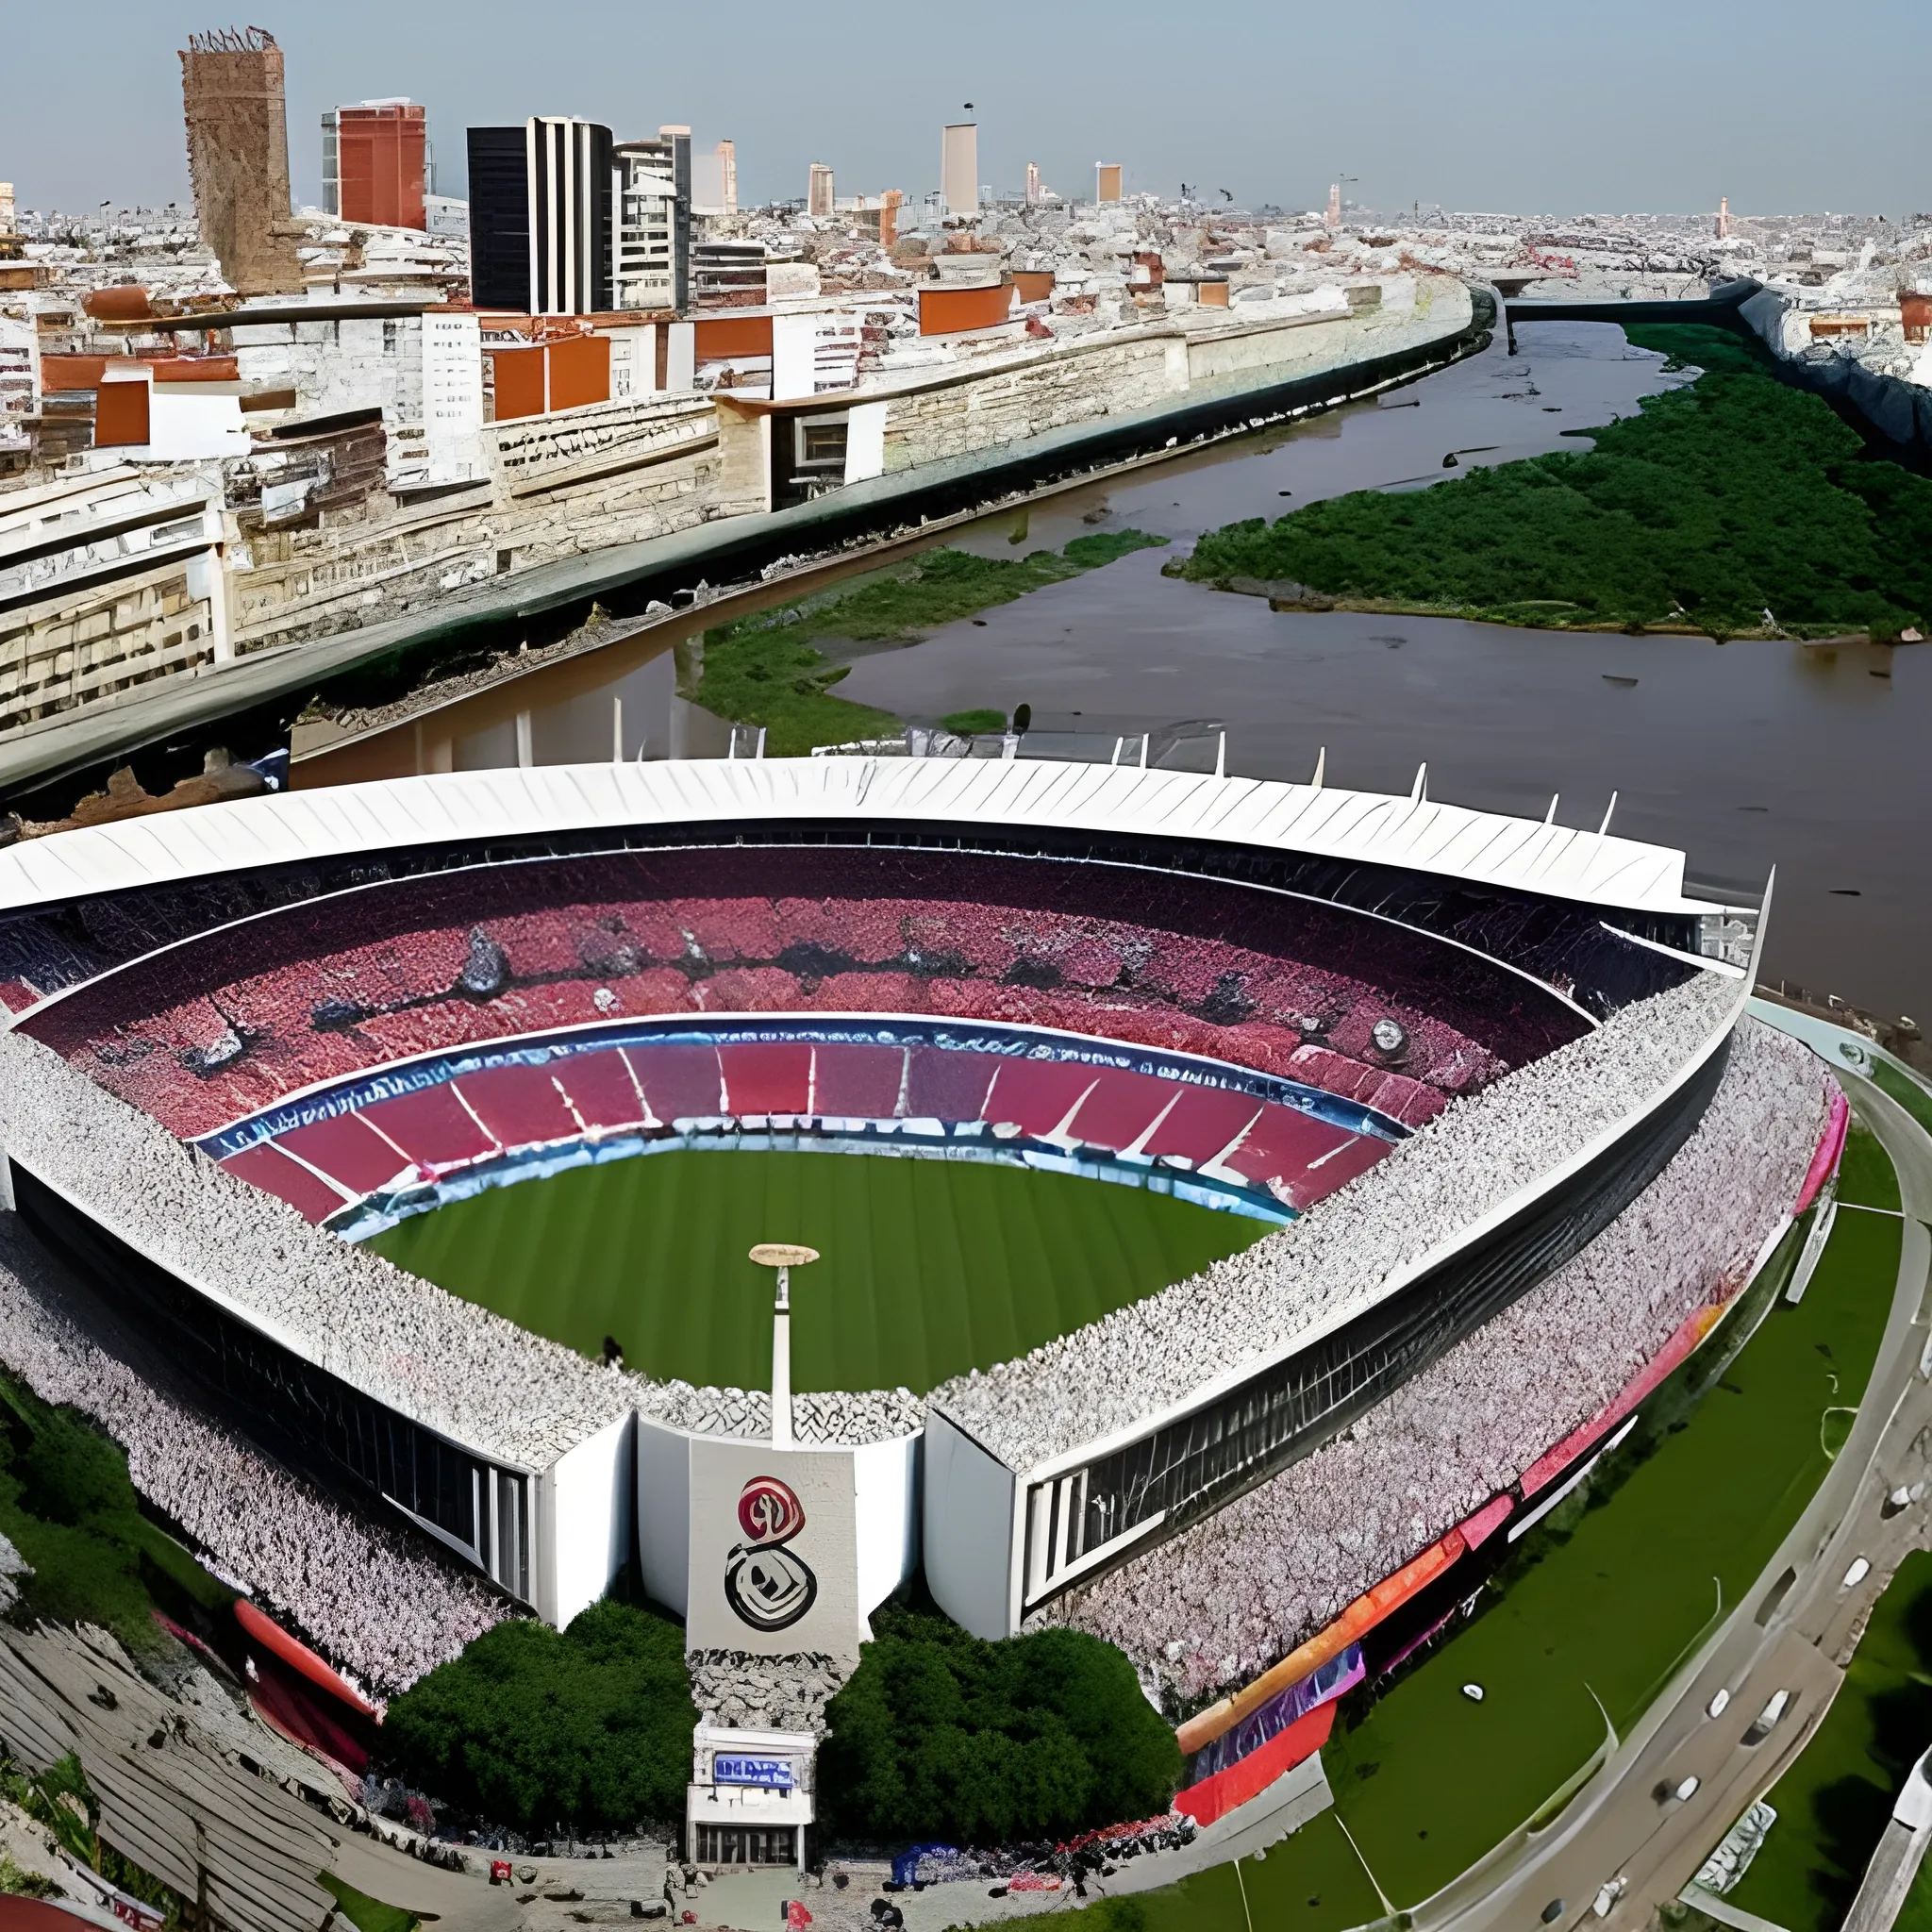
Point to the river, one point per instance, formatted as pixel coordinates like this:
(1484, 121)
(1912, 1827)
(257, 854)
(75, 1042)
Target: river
(1746, 755)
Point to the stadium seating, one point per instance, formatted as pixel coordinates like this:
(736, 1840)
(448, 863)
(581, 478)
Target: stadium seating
(360, 1137)
(234, 1019)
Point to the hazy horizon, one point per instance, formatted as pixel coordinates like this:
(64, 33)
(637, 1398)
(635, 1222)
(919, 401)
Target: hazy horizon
(1653, 109)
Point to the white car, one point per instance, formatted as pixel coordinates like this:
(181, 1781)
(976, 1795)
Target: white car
(1762, 1723)
(1718, 1704)
(1686, 1790)
(1856, 1574)
(1608, 1895)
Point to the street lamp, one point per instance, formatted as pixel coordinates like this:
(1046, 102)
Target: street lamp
(783, 1257)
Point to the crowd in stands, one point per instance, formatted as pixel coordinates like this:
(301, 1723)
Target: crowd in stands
(1152, 1354)
(370, 1597)
(1220, 1602)
(217, 1029)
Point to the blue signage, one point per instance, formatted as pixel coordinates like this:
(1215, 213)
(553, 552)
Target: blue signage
(768, 1774)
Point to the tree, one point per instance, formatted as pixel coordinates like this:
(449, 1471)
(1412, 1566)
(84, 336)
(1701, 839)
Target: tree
(531, 1727)
(939, 1735)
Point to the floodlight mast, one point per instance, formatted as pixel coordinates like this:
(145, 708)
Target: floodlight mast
(783, 1257)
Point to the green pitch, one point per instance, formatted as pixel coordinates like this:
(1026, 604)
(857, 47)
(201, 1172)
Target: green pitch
(930, 1268)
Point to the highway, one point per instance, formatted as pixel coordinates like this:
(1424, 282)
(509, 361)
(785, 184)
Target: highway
(1794, 1631)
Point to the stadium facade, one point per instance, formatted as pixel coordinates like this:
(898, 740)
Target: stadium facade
(245, 1041)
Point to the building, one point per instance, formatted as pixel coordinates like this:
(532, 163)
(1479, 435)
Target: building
(959, 168)
(818, 194)
(1032, 184)
(727, 274)
(374, 163)
(1107, 181)
(238, 157)
(653, 262)
(544, 216)
(750, 1798)
(714, 180)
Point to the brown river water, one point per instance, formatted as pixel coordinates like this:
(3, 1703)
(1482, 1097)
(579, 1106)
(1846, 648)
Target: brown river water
(1750, 755)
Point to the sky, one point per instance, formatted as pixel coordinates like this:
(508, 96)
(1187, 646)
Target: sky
(1566, 108)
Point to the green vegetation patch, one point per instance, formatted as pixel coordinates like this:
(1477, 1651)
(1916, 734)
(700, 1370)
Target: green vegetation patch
(67, 1505)
(930, 1268)
(765, 669)
(365, 1914)
(939, 1735)
(967, 723)
(1832, 1804)
(588, 1727)
(1734, 496)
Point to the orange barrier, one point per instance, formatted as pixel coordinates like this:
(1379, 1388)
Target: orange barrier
(298, 1657)
(1353, 1623)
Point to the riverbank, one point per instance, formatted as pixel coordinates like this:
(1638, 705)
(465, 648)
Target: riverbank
(1736, 507)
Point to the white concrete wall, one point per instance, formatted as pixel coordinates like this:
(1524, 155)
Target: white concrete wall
(663, 1476)
(583, 1517)
(885, 1477)
(970, 1498)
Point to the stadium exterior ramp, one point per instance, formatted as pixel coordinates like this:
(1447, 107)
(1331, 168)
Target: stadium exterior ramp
(525, 1459)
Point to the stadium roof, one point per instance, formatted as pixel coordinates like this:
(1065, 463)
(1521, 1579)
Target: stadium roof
(1417, 833)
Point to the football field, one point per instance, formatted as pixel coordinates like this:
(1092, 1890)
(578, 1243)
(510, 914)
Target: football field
(930, 1268)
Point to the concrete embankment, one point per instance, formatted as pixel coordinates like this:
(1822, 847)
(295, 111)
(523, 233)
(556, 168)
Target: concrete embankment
(954, 444)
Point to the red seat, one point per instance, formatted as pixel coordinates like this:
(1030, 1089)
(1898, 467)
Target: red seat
(601, 1088)
(1308, 1158)
(853, 1081)
(348, 1150)
(431, 1126)
(1121, 1108)
(1037, 1095)
(519, 1105)
(267, 1168)
(941, 1086)
(1202, 1122)
(767, 1077)
(681, 1082)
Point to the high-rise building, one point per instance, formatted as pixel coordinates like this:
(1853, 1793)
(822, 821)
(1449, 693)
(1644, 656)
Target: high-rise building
(1032, 183)
(652, 264)
(238, 157)
(374, 163)
(1107, 181)
(544, 216)
(959, 168)
(818, 194)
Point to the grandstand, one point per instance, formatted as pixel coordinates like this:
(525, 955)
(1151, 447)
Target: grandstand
(1355, 1086)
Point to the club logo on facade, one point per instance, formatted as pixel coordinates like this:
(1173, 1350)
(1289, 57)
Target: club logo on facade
(767, 1583)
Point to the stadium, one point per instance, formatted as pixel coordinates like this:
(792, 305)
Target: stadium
(1238, 1202)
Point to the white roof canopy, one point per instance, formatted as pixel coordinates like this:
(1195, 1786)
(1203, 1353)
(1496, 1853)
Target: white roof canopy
(1419, 834)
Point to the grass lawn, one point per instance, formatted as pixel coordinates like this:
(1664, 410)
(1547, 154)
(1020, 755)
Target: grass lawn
(1605, 1597)
(930, 1268)
(1832, 1804)
(1866, 1174)
(1907, 1091)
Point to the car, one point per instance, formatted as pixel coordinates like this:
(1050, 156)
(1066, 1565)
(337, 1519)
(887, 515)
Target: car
(1762, 1723)
(1687, 1789)
(1717, 1706)
(1607, 1894)
(1856, 1574)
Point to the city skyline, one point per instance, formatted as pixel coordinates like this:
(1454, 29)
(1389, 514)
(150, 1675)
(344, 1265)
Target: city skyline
(1653, 109)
